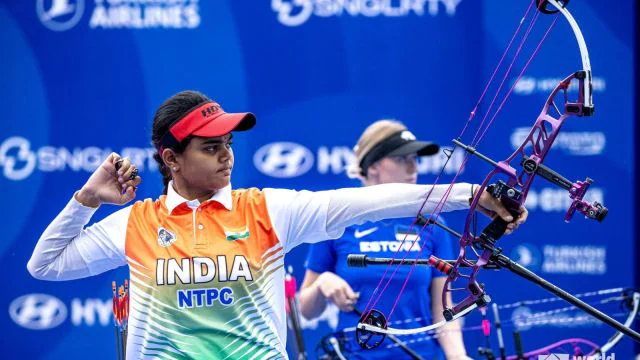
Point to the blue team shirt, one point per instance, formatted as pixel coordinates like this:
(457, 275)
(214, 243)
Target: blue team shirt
(382, 239)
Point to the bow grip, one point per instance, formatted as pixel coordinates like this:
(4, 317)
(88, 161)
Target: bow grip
(510, 198)
(498, 227)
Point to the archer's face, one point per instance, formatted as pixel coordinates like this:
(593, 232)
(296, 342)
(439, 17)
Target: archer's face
(206, 163)
(395, 169)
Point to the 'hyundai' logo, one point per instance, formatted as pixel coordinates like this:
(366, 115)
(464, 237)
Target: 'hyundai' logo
(37, 311)
(283, 159)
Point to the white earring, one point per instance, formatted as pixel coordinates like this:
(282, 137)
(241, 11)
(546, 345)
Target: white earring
(175, 168)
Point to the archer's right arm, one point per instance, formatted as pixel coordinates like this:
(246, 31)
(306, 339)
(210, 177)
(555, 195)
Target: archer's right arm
(66, 250)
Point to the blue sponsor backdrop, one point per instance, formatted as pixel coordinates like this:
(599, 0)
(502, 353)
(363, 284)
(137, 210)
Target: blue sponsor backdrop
(81, 78)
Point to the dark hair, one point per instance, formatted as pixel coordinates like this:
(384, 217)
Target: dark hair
(172, 110)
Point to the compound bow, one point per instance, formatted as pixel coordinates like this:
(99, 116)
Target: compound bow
(479, 251)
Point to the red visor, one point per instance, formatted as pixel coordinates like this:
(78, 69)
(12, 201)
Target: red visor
(207, 120)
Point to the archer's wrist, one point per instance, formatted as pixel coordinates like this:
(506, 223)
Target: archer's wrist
(85, 198)
(474, 190)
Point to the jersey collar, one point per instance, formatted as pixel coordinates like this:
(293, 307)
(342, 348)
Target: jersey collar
(173, 199)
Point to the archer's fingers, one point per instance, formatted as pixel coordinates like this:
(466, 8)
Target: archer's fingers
(132, 183)
(130, 174)
(122, 166)
(112, 158)
(349, 294)
(111, 163)
(502, 211)
(511, 227)
(341, 301)
(128, 195)
(524, 214)
(348, 304)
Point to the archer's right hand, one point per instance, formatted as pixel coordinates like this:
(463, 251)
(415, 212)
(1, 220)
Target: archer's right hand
(337, 290)
(110, 186)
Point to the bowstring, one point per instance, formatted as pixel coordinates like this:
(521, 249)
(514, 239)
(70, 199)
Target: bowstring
(504, 78)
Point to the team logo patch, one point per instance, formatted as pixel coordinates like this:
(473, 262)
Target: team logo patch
(403, 233)
(166, 237)
(234, 234)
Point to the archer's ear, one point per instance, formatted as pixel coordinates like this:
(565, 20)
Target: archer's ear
(169, 157)
(373, 170)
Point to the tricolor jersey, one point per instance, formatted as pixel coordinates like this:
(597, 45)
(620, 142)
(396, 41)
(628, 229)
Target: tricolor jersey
(205, 282)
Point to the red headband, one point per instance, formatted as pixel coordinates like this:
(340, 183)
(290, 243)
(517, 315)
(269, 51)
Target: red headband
(206, 120)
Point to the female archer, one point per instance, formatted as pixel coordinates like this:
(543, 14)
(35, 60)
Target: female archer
(386, 153)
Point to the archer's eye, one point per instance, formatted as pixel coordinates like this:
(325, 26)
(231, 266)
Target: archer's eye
(215, 148)
(212, 148)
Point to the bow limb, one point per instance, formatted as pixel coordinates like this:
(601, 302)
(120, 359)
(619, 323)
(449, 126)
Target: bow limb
(394, 331)
(584, 52)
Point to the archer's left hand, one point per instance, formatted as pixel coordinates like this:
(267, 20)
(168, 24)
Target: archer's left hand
(492, 207)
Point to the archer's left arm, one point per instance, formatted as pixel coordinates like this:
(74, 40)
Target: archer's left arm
(306, 216)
